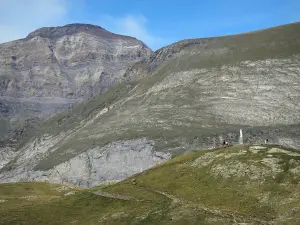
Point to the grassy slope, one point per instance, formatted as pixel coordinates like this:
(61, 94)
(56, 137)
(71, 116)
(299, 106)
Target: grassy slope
(175, 192)
(236, 195)
(276, 42)
(82, 208)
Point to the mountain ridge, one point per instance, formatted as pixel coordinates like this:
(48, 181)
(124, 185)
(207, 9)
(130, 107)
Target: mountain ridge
(170, 51)
(73, 28)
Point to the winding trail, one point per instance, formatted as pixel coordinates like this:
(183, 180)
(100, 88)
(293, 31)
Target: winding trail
(225, 214)
(176, 201)
(115, 196)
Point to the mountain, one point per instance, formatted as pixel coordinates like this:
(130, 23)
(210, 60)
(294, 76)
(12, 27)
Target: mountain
(194, 95)
(54, 67)
(236, 185)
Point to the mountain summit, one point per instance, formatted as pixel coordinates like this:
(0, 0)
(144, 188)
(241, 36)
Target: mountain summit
(72, 29)
(54, 67)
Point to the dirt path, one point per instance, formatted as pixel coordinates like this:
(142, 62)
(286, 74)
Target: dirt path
(234, 215)
(115, 196)
(178, 201)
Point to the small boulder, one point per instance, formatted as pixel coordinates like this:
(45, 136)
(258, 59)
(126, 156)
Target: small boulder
(133, 181)
(70, 193)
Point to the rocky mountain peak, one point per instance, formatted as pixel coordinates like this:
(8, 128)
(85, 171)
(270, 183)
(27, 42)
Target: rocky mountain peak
(70, 29)
(54, 67)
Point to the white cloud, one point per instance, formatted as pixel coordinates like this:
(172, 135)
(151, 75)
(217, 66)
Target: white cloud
(132, 25)
(19, 17)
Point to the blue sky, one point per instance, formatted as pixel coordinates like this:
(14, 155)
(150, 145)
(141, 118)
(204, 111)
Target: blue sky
(157, 23)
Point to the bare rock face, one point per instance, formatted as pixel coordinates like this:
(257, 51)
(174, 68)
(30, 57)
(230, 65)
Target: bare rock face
(6, 154)
(69, 62)
(61, 65)
(112, 162)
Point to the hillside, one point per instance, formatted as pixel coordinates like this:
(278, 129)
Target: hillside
(195, 94)
(54, 67)
(236, 185)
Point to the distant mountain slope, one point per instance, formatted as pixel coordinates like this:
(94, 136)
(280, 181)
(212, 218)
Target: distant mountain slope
(57, 66)
(196, 94)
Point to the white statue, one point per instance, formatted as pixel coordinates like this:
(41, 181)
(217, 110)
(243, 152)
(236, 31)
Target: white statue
(241, 137)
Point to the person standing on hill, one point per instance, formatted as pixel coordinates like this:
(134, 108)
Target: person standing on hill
(266, 141)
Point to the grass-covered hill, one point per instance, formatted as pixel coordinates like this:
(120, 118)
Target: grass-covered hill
(236, 185)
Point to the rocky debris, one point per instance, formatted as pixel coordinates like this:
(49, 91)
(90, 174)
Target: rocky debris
(256, 149)
(63, 188)
(108, 217)
(70, 193)
(119, 215)
(30, 198)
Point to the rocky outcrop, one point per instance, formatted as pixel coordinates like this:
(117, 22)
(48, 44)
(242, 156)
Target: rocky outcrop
(72, 61)
(112, 162)
(6, 155)
(54, 67)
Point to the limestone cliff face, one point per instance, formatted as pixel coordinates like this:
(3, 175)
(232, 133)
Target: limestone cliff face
(69, 62)
(112, 162)
(56, 66)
